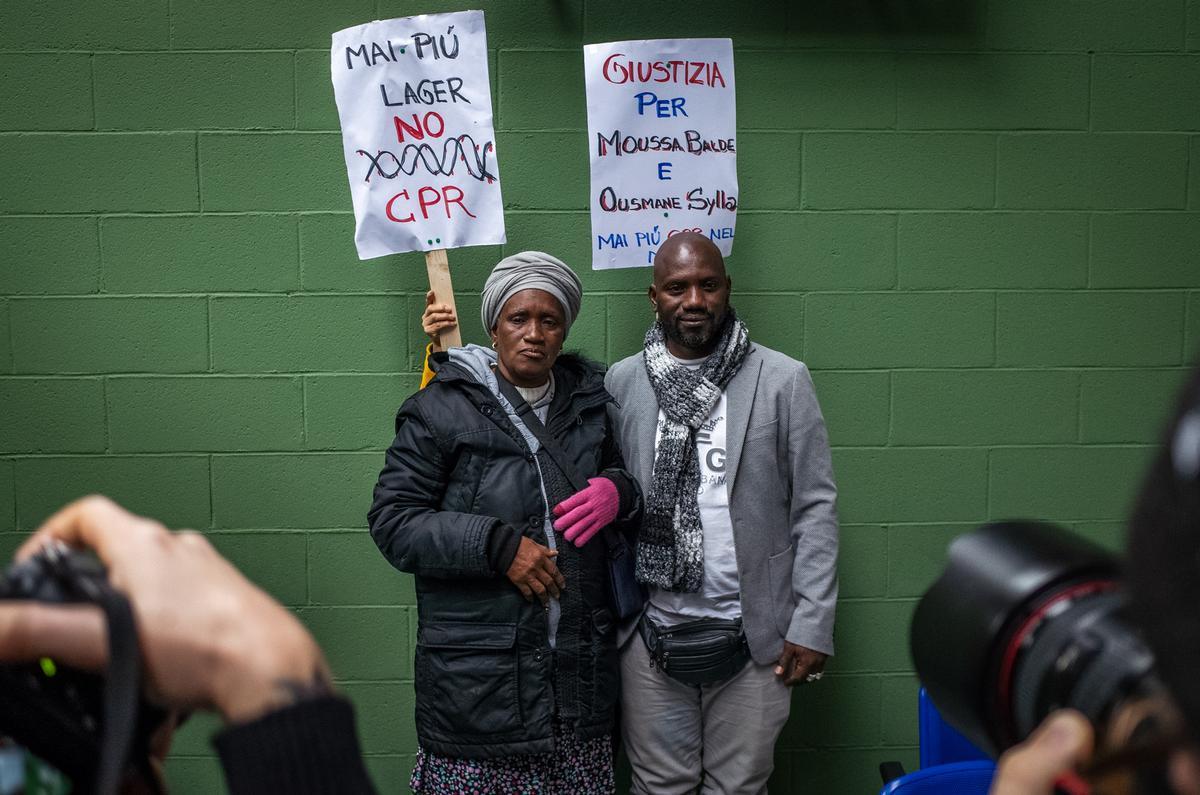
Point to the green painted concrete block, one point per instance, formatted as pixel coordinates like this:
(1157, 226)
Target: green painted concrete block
(194, 775)
(273, 172)
(192, 739)
(814, 251)
(992, 250)
(609, 20)
(1065, 483)
(117, 25)
(348, 569)
(917, 555)
(878, 485)
(229, 25)
(862, 561)
(172, 489)
(1146, 92)
(206, 91)
(354, 412)
(992, 92)
(312, 490)
(840, 711)
(362, 643)
(137, 172)
(871, 636)
(1145, 250)
(1091, 171)
(52, 415)
(1110, 535)
(29, 80)
(815, 90)
(48, 255)
(390, 772)
(1085, 25)
(109, 335)
(889, 330)
(1127, 406)
(315, 106)
(209, 413)
(385, 719)
(898, 697)
(588, 334)
(1191, 349)
(329, 262)
(1101, 329)
(6, 354)
(276, 562)
(541, 90)
(768, 171)
(212, 253)
(982, 407)
(845, 770)
(556, 177)
(566, 235)
(309, 333)
(776, 321)
(8, 498)
(891, 170)
(1193, 196)
(856, 406)
(629, 316)
(1193, 25)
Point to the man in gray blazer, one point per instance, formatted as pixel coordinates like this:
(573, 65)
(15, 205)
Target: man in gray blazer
(740, 533)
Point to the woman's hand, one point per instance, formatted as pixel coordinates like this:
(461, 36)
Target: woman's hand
(533, 571)
(437, 317)
(585, 512)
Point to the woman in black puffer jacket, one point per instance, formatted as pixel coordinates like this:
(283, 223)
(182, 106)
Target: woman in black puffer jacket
(516, 671)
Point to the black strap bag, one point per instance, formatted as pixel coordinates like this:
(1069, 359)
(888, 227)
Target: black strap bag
(627, 596)
(699, 652)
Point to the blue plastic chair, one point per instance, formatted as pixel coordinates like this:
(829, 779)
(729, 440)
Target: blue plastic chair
(941, 743)
(957, 778)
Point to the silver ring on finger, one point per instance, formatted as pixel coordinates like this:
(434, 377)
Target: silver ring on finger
(814, 677)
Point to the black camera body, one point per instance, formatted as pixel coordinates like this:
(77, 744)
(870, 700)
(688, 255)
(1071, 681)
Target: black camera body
(76, 721)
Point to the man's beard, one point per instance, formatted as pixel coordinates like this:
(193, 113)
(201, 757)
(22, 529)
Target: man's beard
(694, 340)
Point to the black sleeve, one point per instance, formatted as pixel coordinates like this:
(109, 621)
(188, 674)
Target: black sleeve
(502, 547)
(309, 748)
(405, 520)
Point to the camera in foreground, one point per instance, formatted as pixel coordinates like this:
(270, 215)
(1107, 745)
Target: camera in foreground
(1028, 618)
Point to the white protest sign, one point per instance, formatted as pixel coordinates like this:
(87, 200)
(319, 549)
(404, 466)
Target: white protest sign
(661, 135)
(416, 110)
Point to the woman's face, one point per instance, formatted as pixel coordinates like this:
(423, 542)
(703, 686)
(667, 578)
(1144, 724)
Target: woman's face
(528, 337)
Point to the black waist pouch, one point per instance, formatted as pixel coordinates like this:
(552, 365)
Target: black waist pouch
(698, 652)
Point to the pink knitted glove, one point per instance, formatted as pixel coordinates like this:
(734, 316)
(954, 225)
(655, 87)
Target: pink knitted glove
(584, 513)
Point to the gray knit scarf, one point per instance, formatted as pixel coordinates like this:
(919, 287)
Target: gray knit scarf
(670, 552)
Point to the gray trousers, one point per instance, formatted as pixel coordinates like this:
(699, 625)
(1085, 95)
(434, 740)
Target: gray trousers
(683, 739)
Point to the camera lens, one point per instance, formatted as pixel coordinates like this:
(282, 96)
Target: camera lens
(1027, 618)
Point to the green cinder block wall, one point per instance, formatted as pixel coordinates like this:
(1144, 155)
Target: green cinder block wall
(978, 222)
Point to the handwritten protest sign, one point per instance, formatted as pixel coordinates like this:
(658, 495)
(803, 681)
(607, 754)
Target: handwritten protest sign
(661, 133)
(416, 111)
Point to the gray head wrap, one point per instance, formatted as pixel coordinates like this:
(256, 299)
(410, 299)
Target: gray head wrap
(530, 270)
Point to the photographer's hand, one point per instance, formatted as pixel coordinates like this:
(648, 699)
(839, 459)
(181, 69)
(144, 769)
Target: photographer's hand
(1056, 749)
(209, 637)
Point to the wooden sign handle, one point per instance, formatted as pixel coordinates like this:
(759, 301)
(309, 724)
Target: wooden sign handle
(438, 267)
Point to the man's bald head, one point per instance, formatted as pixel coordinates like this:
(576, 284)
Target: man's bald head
(690, 294)
(686, 245)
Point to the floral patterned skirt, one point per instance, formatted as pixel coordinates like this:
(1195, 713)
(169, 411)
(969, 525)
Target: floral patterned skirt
(577, 767)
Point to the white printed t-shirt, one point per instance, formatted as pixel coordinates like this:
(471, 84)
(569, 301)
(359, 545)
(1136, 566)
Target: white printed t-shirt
(719, 595)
